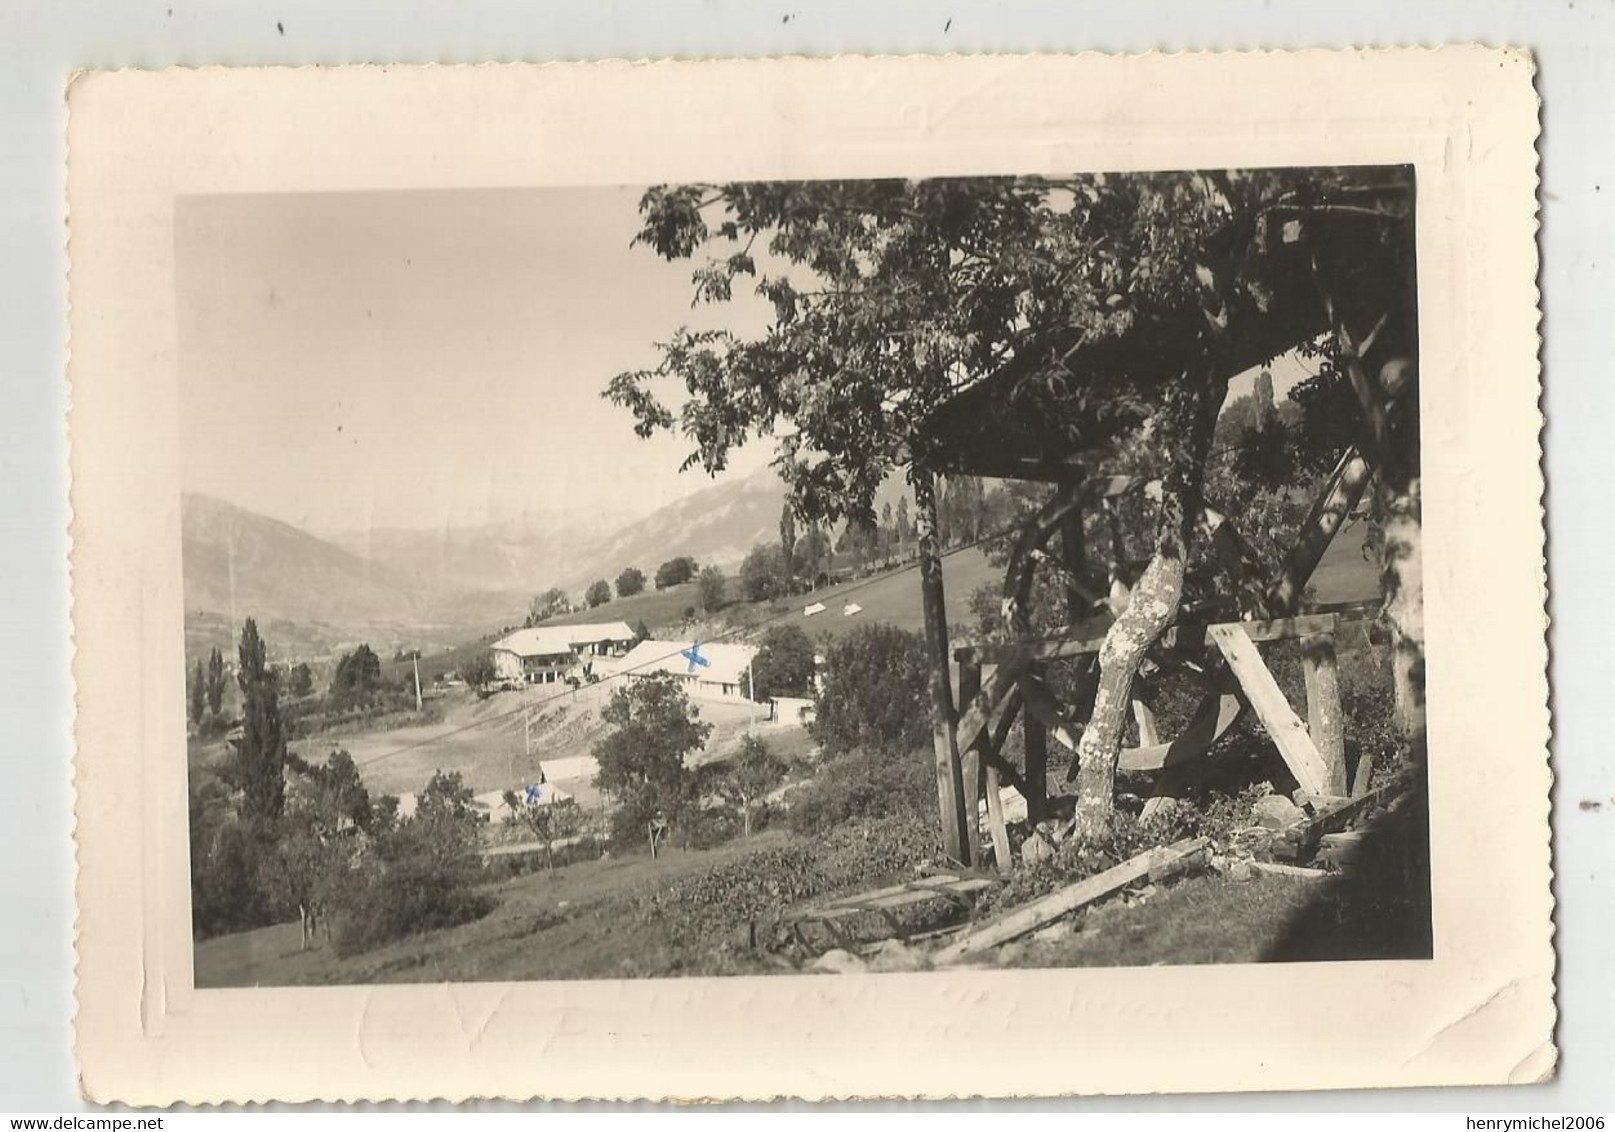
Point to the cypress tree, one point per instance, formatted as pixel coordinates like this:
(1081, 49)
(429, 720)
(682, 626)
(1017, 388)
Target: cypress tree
(261, 755)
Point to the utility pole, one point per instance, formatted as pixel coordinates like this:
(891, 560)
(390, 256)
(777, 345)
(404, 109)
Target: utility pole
(415, 655)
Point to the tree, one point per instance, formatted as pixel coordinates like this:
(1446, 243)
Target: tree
(675, 571)
(887, 533)
(900, 291)
(762, 574)
(711, 583)
(301, 682)
(748, 777)
(357, 678)
(215, 682)
(642, 761)
(903, 530)
(641, 631)
(598, 594)
(787, 543)
(549, 821)
(445, 824)
(783, 665)
(480, 670)
(258, 765)
(874, 678)
(551, 603)
(197, 693)
(630, 582)
(812, 554)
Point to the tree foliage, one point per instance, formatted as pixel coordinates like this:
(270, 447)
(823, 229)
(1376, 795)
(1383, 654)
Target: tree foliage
(874, 680)
(748, 777)
(196, 694)
(215, 682)
(642, 761)
(480, 670)
(357, 678)
(598, 594)
(712, 583)
(630, 582)
(257, 767)
(783, 665)
(675, 571)
(762, 573)
(551, 603)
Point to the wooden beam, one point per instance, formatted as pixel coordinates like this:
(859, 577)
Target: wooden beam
(970, 768)
(1287, 731)
(1005, 857)
(1328, 515)
(1056, 648)
(1035, 734)
(1212, 719)
(1305, 836)
(957, 841)
(1323, 706)
(1155, 864)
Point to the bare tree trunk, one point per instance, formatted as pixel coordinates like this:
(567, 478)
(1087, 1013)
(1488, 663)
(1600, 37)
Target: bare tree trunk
(1184, 426)
(745, 817)
(1401, 581)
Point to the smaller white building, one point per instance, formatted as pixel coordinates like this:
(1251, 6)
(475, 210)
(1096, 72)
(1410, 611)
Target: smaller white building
(718, 673)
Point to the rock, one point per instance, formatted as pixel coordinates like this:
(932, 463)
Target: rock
(1010, 953)
(1036, 848)
(894, 955)
(1277, 812)
(839, 962)
(1241, 871)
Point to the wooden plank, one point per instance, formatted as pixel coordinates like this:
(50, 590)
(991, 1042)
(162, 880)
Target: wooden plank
(1287, 731)
(1212, 719)
(995, 822)
(1324, 722)
(970, 770)
(1364, 775)
(995, 686)
(1157, 864)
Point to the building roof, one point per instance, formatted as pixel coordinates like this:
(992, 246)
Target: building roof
(727, 662)
(552, 640)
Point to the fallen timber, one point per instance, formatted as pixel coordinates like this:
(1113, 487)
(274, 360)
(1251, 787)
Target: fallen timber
(1153, 865)
(838, 917)
(1301, 841)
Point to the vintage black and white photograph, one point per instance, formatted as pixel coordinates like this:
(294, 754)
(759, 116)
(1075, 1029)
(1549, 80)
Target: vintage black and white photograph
(803, 577)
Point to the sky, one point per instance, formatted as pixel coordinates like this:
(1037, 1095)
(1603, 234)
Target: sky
(421, 359)
(432, 360)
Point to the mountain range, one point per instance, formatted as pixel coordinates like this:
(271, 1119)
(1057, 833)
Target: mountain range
(443, 585)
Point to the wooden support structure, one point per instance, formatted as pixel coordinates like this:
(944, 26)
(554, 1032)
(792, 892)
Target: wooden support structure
(1324, 722)
(1287, 731)
(957, 839)
(970, 754)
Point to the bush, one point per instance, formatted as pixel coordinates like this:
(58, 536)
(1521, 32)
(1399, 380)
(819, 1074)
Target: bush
(630, 582)
(783, 665)
(404, 897)
(874, 695)
(861, 786)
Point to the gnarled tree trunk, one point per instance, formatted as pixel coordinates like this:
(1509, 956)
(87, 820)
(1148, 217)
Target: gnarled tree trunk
(1184, 426)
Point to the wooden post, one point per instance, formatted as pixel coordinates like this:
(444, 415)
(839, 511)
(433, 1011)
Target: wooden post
(1036, 735)
(969, 689)
(1323, 707)
(995, 822)
(1288, 733)
(956, 841)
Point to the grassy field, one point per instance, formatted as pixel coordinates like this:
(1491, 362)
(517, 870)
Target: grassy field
(572, 923)
(592, 920)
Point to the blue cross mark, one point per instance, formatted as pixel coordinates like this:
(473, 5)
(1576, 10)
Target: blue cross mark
(535, 794)
(693, 654)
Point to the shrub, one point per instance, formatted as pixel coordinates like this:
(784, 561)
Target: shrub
(407, 896)
(783, 665)
(861, 786)
(874, 695)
